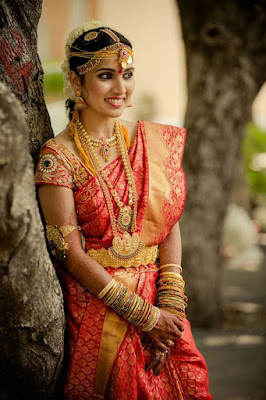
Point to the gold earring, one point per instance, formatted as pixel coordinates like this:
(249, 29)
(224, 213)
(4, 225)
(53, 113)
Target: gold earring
(80, 103)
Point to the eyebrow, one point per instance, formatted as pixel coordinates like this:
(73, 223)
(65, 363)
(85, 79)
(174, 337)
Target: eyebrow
(113, 70)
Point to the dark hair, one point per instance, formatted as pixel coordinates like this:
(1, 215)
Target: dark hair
(102, 40)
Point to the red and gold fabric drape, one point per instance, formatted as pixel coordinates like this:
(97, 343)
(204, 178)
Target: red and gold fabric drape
(106, 358)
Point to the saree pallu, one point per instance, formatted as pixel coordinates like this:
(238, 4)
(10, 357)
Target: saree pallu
(106, 357)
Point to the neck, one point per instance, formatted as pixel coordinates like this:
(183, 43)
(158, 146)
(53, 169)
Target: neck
(97, 125)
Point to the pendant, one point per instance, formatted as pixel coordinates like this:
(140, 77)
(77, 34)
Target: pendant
(105, 150)
(126, 247)
(124, 219)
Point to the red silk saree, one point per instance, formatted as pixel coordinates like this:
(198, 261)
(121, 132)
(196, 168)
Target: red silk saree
(106, 357)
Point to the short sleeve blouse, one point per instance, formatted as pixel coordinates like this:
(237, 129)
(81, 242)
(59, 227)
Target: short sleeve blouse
(58, 166)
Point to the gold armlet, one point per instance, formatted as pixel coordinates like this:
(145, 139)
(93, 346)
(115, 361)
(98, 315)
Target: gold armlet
(56, 237)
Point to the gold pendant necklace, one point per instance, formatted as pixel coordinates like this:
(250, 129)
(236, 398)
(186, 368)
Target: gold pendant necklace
(105, 145)
(124, 245)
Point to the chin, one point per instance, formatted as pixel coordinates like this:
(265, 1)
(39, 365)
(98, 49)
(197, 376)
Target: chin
(115, 113)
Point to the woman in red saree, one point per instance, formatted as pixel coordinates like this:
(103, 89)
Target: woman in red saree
(139, 186)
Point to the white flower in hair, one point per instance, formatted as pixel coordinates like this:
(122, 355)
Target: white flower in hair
(74, 34)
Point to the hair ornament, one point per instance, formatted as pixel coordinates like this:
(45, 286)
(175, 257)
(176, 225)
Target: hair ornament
(124, 52)
(91, 36)
(111, 34)
(74, 34)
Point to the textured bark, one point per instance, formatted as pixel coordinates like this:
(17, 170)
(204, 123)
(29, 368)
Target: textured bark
(31, 309)
(225, 47)
(20, 67)
(31, 312)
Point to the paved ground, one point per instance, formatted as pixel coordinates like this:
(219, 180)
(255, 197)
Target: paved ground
(236, 354)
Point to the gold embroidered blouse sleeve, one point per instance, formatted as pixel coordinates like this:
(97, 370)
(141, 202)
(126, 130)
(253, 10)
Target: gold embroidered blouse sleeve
(53, 167)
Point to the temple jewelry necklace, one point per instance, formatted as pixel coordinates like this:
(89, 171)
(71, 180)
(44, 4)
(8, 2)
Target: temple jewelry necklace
(105, 145)
(128, 245)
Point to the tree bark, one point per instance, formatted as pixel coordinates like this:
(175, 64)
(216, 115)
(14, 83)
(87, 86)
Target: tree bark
(225, 47)
(31, 307)
(31, 312)
(20, 67)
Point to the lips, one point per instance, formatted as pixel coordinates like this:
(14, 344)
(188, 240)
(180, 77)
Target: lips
(115, 101)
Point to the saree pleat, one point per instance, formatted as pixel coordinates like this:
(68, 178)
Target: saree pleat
(107, 360)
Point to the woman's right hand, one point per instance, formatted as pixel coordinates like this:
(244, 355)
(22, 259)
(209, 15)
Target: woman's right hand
(168, 328)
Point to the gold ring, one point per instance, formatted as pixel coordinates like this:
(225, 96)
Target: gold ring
(170, 343)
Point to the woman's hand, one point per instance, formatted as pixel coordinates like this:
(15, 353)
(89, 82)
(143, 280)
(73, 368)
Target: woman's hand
(158, 359)
(168, 329)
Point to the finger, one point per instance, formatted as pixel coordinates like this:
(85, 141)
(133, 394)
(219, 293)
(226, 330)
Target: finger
(175, 334)
(169, 343)
(179, 326)
(167, 353)
(154, 360)
(161, 346)
(145, 342)
(159, 366)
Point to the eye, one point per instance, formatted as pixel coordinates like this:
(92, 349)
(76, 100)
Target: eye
(105, 75)
(128, 75)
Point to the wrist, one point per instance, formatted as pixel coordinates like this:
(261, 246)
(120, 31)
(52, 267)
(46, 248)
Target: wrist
(130, 306)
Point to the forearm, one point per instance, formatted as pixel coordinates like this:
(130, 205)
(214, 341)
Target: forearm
(171, 250)
(91, 275)
(171, 286)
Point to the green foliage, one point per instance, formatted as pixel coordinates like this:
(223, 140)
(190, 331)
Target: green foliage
(53, 83)
(254, 151)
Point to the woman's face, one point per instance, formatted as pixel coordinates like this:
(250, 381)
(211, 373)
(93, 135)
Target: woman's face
(107, 89)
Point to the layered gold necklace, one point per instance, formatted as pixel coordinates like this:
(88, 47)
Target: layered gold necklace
(126, 242)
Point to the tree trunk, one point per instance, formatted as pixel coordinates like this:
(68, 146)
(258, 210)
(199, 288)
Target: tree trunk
(225, 46)
(20, 67)
(31, 308)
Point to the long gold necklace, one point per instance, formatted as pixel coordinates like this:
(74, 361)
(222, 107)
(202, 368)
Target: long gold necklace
(126, 245)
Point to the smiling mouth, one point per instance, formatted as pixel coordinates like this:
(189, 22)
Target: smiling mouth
(116, 102)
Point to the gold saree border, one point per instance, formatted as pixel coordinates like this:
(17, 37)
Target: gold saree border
(114, 330)
(159, 186)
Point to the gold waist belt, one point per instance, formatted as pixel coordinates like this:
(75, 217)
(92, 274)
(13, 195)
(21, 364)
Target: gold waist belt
(147, 255)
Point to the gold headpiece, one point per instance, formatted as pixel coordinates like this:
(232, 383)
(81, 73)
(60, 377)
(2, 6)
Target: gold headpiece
(124, 52)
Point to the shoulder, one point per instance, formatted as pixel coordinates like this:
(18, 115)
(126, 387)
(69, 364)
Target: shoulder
(165, 132)
(165, 141)
(54, 152)
(131, 127)
(63, 144)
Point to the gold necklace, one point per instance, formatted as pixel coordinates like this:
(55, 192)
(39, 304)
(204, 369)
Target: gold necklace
(127, 246)
(105, 145)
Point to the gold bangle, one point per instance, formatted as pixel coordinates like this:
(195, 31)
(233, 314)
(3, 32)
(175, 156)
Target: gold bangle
(106, 289)
(172, 275)
(152, 321)
(171, 265)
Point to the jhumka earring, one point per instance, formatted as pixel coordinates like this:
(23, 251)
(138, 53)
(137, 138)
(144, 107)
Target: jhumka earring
(80, 103)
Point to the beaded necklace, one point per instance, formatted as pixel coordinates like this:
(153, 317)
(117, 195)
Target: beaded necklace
(125, 245)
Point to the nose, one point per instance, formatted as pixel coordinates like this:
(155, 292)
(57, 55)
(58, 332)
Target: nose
(119, 85)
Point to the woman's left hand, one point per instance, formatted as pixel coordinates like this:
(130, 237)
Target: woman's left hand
(158, 359)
